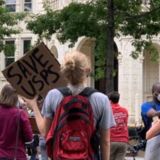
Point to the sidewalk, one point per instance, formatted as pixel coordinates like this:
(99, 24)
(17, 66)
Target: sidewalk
(140, 156)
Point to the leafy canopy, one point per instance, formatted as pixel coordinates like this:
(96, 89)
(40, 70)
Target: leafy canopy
(131, 18)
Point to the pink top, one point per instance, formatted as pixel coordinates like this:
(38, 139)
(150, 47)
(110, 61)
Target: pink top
(8, 130)
(119, 133)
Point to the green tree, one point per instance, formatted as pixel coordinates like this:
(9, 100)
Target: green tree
(102, 20)
(8, 22)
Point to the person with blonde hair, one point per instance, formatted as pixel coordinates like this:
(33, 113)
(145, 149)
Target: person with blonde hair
(15, 128)
(76, 68)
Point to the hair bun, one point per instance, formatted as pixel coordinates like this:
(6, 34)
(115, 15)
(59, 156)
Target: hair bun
(70, 65)
(74, 67)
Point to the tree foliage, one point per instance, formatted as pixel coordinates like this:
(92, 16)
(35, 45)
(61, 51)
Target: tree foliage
(130, 18)
(72, 22)
(8, 23)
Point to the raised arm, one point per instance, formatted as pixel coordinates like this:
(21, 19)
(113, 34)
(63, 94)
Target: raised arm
(43, 123)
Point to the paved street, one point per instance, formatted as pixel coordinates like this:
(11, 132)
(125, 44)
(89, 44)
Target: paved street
(140, 156)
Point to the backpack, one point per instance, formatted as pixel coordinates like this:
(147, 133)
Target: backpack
(72, 130)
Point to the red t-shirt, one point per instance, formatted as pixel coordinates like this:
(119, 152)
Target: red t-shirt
(119, 133)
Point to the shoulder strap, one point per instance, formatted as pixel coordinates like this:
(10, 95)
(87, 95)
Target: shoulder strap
(88, 91)
(65, 91)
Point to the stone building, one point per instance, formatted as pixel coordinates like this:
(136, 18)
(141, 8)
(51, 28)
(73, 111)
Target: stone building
(134, 79)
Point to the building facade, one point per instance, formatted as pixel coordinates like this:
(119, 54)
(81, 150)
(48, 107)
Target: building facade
(135, 77)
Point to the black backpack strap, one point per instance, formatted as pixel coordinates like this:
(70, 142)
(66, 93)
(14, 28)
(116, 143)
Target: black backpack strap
(65, 91)
(88, 91)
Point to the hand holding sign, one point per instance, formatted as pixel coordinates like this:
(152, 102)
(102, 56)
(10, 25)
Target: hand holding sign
(31, 103)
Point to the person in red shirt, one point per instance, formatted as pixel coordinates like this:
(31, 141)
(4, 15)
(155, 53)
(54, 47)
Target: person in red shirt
(119, 133)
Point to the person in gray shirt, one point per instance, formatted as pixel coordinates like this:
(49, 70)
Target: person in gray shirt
(76, 68)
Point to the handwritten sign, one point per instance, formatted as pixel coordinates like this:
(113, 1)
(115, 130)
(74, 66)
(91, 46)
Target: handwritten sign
(35, 73)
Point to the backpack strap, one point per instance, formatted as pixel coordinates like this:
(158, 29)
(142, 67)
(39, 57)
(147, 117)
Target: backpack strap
(65, 91)
(88, 91)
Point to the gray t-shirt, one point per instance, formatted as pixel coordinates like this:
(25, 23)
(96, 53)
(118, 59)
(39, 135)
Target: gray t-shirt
(100, 104)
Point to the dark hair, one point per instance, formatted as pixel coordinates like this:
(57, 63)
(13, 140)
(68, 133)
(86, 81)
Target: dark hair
(114, 96)
(155, 87)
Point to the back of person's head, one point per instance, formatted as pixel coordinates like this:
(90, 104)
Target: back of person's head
(156, 91)
(8, 95)
(156, 87)
(114, 96)
(75, 67)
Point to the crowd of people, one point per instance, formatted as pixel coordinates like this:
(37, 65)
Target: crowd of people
(109, 130)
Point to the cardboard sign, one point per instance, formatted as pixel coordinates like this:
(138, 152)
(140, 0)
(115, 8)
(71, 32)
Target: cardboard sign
(35, 73)
(152, 151)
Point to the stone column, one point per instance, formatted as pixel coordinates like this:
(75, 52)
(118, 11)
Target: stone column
(2, 64)
(139, 94)
(18, 48)
(130, 80)
(18, 6)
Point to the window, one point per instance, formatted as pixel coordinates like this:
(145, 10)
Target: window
(11, 5)
(26, 45)
(27, 5)
(9, 52)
